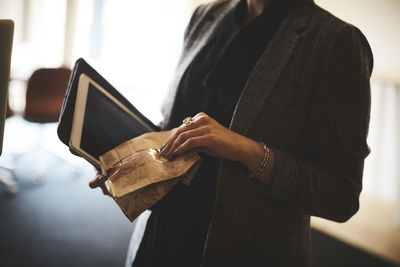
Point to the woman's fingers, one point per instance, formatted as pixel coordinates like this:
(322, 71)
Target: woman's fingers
(186, 136)
(166, 151)
(201, 125)
(166, 147)
(98, 181)
(95, 182)
(200, 143)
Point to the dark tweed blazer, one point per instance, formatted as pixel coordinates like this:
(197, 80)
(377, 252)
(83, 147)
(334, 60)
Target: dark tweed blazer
(308, 98)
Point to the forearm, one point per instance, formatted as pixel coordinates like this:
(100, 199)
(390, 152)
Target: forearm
(315, 189)
(308, 188)
(328, 189)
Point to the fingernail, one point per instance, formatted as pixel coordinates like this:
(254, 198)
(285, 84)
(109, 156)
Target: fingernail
(172, 156)
(162, 148)
(167, 155)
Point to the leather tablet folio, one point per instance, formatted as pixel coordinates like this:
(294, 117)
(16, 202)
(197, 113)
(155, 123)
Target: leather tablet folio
(6, 39)
(95, 117)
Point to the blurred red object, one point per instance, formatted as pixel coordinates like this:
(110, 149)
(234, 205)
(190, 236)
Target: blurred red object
(45, 94)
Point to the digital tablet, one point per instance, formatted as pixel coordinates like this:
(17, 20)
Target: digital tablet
(101, 122)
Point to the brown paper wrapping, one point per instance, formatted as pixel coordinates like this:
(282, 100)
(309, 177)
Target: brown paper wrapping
(138, 177)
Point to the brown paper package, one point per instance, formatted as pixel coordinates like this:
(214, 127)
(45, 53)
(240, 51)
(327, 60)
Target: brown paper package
(138, 177)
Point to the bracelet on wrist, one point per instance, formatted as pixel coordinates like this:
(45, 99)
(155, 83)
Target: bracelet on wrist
(263, 164)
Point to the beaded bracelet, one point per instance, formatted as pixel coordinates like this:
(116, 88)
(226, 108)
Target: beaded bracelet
(264, 162)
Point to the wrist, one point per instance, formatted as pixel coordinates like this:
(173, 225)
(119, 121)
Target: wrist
(257, 173)
(252, 155)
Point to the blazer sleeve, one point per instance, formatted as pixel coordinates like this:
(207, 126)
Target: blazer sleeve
(330, 183)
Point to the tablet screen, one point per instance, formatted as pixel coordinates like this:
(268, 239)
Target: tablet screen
(101, 122)
(106, 125)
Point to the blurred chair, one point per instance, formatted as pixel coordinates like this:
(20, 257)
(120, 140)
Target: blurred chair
(45, 94)
(44, 98)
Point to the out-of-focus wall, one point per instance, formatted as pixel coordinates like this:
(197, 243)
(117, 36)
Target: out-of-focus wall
(379, 20)
(13, 10)
(39, 34)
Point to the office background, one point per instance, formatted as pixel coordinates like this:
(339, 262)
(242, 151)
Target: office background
(53, 218)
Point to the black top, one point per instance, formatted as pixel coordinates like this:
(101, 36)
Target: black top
(177, 228)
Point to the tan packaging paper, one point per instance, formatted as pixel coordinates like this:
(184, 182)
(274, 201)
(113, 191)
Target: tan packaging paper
(138, 177)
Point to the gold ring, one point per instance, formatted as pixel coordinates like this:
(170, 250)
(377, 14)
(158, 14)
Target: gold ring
(187, 121)
(101, 178)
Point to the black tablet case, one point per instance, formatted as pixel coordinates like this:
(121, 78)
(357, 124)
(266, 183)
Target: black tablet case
(67, 112)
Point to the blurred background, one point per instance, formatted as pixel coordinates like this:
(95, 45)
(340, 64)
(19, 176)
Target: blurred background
(50, 217)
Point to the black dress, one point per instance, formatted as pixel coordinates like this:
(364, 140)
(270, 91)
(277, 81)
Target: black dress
(177, 227)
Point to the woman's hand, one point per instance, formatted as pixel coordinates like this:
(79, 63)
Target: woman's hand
(206, 135)
(98, 181)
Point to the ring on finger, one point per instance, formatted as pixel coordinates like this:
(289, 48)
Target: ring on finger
(187, 121)
(100, 177)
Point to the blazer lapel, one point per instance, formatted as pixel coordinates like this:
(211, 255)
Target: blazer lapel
(268, 69)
